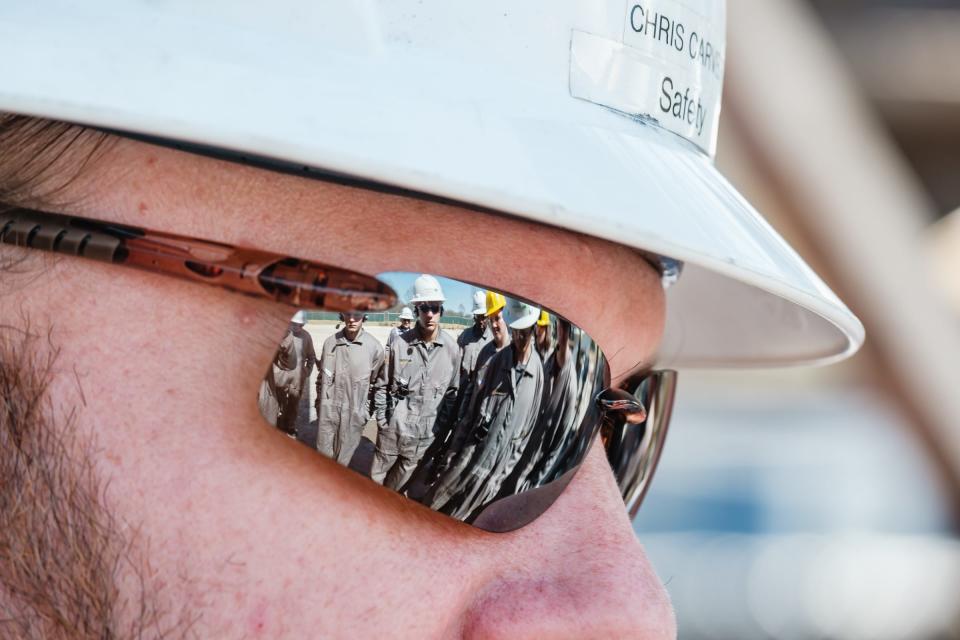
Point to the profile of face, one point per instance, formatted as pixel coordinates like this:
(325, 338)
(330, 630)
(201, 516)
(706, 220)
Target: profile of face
(221, 526)
(480, 321)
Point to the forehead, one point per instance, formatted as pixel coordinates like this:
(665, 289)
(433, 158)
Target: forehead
(373, 232)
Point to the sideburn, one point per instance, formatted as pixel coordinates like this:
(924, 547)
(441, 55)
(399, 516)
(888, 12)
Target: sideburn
(62, 554)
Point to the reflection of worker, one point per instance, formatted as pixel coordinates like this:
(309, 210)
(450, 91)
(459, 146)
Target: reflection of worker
(544, 336)
(556, 425)
(501, 418)
(416, 389)
(452, 438)
(471, 341)
(287, 378)
(406, 319)
(499, 338)
(280, 376)
(306, 359)
(350, 360)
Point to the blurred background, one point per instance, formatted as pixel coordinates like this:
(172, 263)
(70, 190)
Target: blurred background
(826, 503)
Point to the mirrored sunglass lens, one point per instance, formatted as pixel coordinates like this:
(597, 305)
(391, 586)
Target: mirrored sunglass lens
(485, 426)
(429, 308)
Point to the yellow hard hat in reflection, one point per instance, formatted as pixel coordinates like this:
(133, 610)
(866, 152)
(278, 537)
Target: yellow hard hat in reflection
(544, 319)
(495, 302)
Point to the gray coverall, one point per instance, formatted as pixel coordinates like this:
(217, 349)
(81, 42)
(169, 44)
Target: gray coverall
(394, 334)
(282, 377)
(471, 342)
(346, 370)
(298, 410)
(415, 398)
(557, 421)
(452, 437)
(501, 420)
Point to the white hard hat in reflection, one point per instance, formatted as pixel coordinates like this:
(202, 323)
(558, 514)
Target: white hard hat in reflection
(520, 315)
(406, 314)
(426, 288)
(598, 116)
(479, 303)
(299, 318)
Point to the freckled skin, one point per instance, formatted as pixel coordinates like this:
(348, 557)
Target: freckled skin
(261, 535)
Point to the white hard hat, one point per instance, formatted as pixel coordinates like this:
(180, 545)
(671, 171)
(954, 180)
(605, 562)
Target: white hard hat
(299, 318)
(520, 315)
(426, 288)
(479, 303)
(411, 94)
(406, 314)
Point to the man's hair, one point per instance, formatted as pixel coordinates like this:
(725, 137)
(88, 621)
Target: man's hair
(67, 567)
(40, 158)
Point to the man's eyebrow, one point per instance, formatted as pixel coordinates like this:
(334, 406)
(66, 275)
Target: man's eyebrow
(40, 158)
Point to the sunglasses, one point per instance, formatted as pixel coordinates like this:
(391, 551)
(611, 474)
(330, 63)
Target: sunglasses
(424, 307)
(460, 420)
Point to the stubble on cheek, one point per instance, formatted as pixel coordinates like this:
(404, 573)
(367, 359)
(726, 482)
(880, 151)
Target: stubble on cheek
(68, 567)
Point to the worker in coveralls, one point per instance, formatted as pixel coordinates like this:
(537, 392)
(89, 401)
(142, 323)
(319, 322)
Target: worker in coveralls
(406, 320)
(499, 338)
(446, 460)
(349, 362)
(556, 428)
(416, 391)
(282, 389)
(502, 418)
(471, 341)
(544, 336)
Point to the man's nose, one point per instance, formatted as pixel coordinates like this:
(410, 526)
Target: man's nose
(578, 571)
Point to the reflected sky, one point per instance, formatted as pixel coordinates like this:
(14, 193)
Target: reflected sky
(459, 294)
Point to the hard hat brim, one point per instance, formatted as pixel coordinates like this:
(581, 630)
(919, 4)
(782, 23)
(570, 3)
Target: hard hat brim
(745, 297)
(522, 323)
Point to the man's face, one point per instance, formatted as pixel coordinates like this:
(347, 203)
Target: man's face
(520, 338)
(428, 314)
(352, 321)
(543, 333)
(251, 533)
(405, 323)
(479, 321)
(497, 326)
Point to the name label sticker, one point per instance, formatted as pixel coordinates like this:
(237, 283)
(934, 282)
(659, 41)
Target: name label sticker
(668, 67)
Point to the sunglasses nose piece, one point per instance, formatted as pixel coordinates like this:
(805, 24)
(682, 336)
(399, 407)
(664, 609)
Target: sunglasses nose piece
(620, 407)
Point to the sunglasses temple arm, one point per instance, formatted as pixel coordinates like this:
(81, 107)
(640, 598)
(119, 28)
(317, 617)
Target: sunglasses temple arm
(258, 273)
